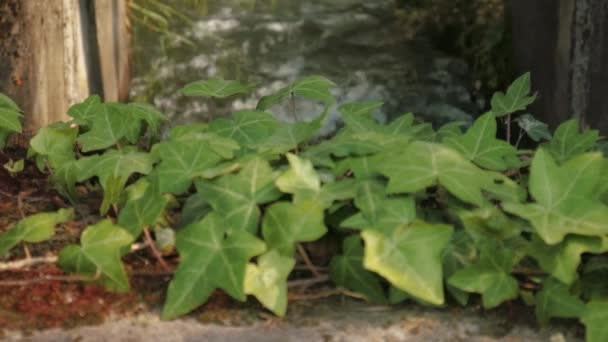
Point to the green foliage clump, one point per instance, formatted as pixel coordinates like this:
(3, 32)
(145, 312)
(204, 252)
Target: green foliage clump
(423, 214)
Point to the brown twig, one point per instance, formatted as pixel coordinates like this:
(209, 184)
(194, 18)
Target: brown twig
(325, 294)
(23, 263)
(155, 251)
(307, 261)
(308, 282)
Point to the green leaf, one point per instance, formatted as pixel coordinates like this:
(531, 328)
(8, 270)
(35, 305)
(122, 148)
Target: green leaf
(449, 130)
(286, 224)
(224, 147)
(300, 180)
(4, 134)
(313, 88)
(267, 281)
(210, 259)
(14, 166)
(215, 87)
(594, 318)
(7, 102)
(248, 128)
(288, 136)
(146, 113)
(489, 222)
(410, 258)
(554, 300)
(34, 228)
(568, 142)
(460, 253)
(114, 168)
(65, 176)
(84, 112)
(517, 97)
(142, 211)
(479, 144)
(347, 270)
(56, 143)
(562, 260)
(99, 253)
(108, 125)
(378, 212)
(358, 116)
(420, 165)
(10, 119)
(490, 276)
(535, 129)
(236, 197)
(565, 197)
(181, 161)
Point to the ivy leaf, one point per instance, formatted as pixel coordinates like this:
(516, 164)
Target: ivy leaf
(377, 211)
(565, 198)
(420, 165)
(181, 160)
(410, 258)
(248, 128)
(460, 253)
(490, 276)
(99, 252)
(288, 136)
(84, 113)
(108, 126)
(210, 259)
(517, 97)
(358, 116)
(449, 130)
(554, 300)
(10, 115)
(34, 228)
(144, 112)
(55, 143)
(65, 177)
(236, 197)
(10, 119)
(142, 211)
(267, 281)
(347, 270)
(535, 129)
(313, 88)
(567, 142)
(6, 102)
(300, 179)
(216, 87)
(479, 144)
(286, 224)
(489, 222)
(594, 318)
(593, 277)
(562, 260)
(114, 168)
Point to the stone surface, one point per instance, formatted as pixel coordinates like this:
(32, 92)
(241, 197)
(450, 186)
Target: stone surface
(326, 320)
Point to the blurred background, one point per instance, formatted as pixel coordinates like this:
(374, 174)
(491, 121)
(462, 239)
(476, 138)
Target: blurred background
(439, 59)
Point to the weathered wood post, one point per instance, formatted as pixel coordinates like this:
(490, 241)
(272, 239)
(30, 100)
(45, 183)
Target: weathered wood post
(55, 53)
(564, 43)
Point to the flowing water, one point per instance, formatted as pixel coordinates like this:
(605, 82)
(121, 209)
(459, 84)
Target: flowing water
(357, 44)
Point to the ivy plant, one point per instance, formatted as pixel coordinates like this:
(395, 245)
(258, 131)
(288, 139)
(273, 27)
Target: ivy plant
(422, 214)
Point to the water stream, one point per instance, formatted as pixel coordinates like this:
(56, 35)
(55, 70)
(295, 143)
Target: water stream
(355, 43)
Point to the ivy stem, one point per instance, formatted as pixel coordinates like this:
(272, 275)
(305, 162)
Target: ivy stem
(307, 261)
(155, 251)
(521, 135)
(508, 123)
